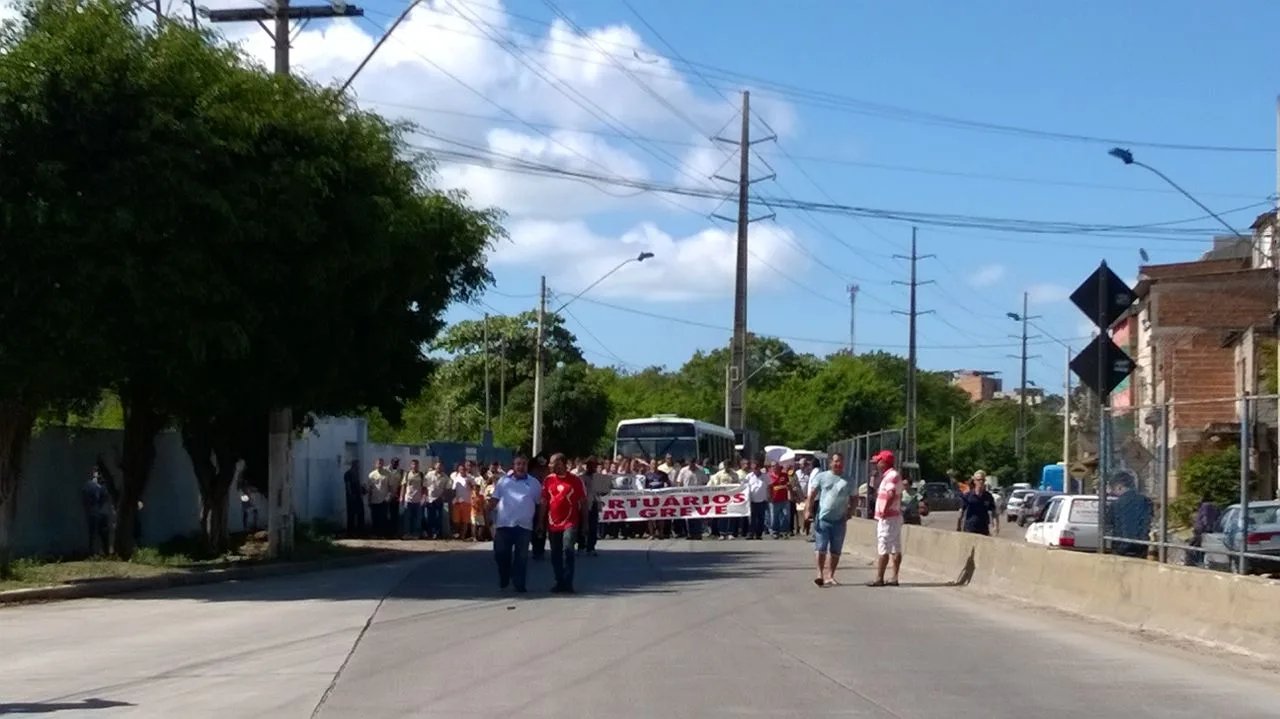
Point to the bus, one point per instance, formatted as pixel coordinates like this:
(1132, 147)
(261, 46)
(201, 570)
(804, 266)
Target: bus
(682, 438)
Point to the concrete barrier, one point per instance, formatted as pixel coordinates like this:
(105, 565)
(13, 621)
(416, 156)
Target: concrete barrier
(1227, 610)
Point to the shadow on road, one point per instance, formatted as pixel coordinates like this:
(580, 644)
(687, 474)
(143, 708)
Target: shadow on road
(469, 573)
(60, 706)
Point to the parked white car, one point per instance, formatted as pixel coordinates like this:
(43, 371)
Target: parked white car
(1070, 522)
(1016, 498)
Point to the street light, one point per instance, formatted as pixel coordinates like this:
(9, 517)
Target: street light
(539, 341)
(730, 387)
(1126, 157)
(638, 258)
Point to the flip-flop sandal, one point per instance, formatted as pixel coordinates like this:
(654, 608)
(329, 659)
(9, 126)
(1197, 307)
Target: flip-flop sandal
(877, 583)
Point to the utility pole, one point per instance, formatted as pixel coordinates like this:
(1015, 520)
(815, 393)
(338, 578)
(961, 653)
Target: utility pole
(488, 409)
(737, 400)
(502, 382)
(951, 456)
(1066, 420)
(280, 420)
(1020, 438)
(910, 461)
(853, 319)
(537, 367)
(728, 392)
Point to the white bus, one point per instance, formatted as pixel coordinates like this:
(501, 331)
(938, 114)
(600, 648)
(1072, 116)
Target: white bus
(680, 437)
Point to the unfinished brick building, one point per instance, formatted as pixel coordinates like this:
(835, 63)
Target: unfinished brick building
(1192, 319)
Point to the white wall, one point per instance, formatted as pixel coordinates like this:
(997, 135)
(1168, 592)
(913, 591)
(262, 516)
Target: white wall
(51, 521)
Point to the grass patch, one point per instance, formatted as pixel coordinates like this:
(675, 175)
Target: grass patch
(179, 555)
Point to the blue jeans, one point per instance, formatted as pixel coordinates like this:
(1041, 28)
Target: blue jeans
(780, 517)
(412, 516)
(562, 556)
(828, 536)
(511, 552)
(436, 519)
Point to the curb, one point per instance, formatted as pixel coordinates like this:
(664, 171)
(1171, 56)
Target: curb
(109, 587)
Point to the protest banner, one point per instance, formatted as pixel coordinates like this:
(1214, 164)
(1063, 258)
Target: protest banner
(676, 503)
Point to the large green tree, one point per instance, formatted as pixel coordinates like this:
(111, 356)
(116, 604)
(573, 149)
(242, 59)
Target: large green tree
(251, 234)
(52, 263)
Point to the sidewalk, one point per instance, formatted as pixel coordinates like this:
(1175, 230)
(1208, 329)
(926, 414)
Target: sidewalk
(362, 552)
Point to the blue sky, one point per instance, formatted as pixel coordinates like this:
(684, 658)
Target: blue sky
(1192, 73)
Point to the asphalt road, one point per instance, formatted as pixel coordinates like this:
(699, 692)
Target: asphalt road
(665, 629)
(947, 520)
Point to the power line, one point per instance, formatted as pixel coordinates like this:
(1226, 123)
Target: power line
(1159, 231)
(810, 340)
(821, 99)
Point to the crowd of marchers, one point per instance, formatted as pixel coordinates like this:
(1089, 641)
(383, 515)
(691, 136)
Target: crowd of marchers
(558, 502)
(417, 502)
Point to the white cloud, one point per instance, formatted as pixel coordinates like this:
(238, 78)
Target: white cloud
(583, 93)
(1047, 292)
(987, 275)
(700, 265)
(461, 70)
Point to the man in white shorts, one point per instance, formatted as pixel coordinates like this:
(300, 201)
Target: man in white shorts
(888, 520)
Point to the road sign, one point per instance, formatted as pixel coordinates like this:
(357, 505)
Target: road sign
(1115, 362)
(1079, 471)
(1088, 297)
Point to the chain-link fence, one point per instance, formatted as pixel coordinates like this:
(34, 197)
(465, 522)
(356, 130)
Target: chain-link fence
(858, 469)
(1189, 482)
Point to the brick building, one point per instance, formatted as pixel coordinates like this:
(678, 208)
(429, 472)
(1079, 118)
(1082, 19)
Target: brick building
(981, 386)
(1187, 334)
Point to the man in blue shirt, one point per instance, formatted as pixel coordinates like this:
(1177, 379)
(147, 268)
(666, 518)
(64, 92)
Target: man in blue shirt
(830, 505)
(514, 503)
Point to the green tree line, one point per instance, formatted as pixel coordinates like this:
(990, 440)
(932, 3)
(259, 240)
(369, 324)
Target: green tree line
(794, 399)
(201, 241)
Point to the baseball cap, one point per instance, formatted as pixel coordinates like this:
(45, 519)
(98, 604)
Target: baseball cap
(883, 455)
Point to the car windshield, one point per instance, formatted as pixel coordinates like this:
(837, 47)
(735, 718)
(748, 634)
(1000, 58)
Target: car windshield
(1020, 493)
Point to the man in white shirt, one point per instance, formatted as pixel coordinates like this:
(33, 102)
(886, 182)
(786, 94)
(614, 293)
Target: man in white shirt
(514, 503)
(758, 489)
(597, 485)
(460, 508)
(378, 489)
(803, 475)
(411, 493)
(691, 475)
(437, 489)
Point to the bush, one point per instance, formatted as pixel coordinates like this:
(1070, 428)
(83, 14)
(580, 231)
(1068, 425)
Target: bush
(1215, 473)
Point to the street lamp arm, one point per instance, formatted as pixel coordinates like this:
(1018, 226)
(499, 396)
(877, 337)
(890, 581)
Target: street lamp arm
(1127, 158)
(639, 258)
(768, 361)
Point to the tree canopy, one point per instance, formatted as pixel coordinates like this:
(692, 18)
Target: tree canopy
(206, 241)
(796, 399)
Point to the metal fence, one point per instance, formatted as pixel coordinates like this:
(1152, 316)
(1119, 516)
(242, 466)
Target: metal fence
(1191, 483)
(857, 452)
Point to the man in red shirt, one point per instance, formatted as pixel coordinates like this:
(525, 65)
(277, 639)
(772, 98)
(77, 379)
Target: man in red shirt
(779, 501)
(564, 496)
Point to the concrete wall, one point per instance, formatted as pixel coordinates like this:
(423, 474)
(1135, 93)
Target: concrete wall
(50, 518)
(1223, 609)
